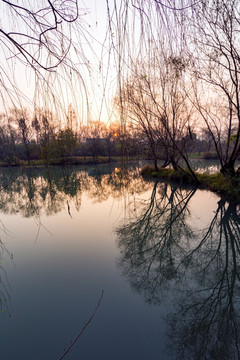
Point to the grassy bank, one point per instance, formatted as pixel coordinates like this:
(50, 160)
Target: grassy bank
(74, 160)
(226, 186)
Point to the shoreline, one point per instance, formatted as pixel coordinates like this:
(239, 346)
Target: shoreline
(228, 187)
(88, 160)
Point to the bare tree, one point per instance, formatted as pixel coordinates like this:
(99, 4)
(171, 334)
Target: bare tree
(215, 52)
(21, 118)
(154, 99)
(38, 36)
(207, 34)
(41, 44)
(95, 132)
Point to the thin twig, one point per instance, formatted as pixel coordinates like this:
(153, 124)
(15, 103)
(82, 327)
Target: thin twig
(69, 210)
(83, 328)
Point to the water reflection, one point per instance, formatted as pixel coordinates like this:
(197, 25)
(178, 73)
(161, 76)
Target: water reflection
(166, 255)
(151, 243)
(55, 281)
(33, 192)
(5, 289)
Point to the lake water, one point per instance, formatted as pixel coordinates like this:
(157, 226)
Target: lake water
(167, 258)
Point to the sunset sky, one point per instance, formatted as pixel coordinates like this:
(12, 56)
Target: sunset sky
(95, 82)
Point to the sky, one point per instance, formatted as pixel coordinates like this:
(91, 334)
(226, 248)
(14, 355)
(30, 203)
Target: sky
(95, 76)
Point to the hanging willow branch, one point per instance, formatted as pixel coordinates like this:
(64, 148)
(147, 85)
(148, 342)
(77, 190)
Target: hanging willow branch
(83, 328)
(38, 33)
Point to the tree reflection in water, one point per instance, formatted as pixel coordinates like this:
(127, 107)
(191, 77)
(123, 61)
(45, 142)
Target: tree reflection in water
(33, 192)
(153, 242)
(5, 298)
(164, 255)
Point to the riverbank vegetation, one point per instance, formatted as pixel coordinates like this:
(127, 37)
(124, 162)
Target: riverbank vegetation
(177, 94)
(27, 138)
(228, 186)
(184, 78)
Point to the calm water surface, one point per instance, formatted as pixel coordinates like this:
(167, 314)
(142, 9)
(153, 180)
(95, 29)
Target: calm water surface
(167, 259)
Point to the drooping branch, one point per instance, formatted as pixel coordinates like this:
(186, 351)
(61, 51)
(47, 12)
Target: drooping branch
(83, 328)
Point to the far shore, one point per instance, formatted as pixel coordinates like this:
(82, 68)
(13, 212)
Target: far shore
(88, 160)
(227, 187)
(74, 160)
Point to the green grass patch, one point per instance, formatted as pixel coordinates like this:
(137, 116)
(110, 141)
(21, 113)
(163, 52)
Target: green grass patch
(73, 160)
(229, 186)
(224, 185)
(166, 173)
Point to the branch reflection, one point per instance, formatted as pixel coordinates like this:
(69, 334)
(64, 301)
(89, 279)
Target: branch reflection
(5, 297)
(164, 254)
(207, 321)
(34, 192)
(152, 242)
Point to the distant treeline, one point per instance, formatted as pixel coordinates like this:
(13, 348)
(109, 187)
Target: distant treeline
(23, 137)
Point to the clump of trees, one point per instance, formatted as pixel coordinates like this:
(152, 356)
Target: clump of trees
(39, 137)
(180, 77)
(157, 104)
(150, 133)
(178, 81)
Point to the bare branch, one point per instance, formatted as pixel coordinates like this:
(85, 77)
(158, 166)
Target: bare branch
(83, 328)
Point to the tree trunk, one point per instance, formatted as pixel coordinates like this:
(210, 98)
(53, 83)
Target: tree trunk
(155, 164)
(228, 169)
